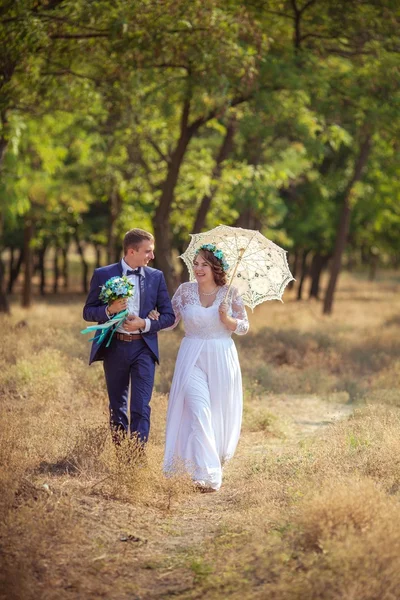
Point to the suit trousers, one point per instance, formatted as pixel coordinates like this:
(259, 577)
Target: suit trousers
(130, 363)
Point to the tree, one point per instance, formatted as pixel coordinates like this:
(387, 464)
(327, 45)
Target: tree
(195, 112)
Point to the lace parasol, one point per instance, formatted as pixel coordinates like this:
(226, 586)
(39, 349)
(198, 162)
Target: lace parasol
(258, 267)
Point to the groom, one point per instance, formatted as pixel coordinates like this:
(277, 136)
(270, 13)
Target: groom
(133, 351)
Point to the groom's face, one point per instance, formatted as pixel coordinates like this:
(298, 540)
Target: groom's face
(140, 256)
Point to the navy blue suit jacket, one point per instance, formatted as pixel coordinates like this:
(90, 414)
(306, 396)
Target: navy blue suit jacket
(153, 293)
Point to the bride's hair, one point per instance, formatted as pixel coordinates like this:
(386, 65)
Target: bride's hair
(216, 266)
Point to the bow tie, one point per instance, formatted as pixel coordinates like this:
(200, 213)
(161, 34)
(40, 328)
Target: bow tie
(135, 272)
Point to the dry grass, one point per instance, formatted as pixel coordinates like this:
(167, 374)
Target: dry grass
(320, 522)
(315, 520)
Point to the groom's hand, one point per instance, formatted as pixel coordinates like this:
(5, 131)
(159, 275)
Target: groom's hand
(117, 306)
(133, 323)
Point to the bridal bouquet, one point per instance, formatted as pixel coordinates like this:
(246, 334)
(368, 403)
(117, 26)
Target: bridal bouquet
(115, 288)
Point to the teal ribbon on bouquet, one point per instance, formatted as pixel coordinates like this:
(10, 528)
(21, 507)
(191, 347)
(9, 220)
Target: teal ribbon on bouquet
(111, 325)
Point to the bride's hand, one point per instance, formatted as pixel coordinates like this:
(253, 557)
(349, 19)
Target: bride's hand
(229, 322)
(153, 315)
(223, 312)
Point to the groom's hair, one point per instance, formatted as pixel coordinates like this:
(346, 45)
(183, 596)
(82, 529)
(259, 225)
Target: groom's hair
(135, 237)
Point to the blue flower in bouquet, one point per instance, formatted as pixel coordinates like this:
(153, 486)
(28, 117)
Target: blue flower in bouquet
(115, 288)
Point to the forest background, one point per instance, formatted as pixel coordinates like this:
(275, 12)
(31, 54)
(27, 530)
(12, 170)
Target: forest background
(176, 116)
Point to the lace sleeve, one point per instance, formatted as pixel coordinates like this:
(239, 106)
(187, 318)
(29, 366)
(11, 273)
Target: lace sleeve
(239, 313)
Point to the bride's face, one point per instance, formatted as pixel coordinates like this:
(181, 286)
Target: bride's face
(202, 270)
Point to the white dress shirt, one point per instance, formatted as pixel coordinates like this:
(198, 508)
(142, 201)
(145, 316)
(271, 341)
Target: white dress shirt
(134, 301)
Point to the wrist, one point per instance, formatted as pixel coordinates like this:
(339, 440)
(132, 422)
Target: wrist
(230, 323)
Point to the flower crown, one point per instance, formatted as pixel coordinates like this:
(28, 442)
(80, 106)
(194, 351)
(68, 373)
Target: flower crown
(217, 253)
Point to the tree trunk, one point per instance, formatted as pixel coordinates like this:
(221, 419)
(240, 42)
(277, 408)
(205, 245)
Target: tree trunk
(28, 264)
(10, 262)
(224, 151)
(318, 264)
(15, 268)
(304, 273)
(42, 271)
(4, 305)
(117, 253)
(64, 268)
(249, 219)
(162, 213)
(364, 251)
(3, 144)
(162, 228)
(184, 275)
(85, 268)
(97, 249)
(56, 270)
(115, 204)
(344, 223)
(293, 269)
(351, 262)
(373, 264)
(395, 261)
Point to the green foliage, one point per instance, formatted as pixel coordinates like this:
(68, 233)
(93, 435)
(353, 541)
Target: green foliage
(93, 97)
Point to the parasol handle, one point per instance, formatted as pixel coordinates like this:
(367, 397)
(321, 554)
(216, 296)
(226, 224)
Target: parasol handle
(241, 252)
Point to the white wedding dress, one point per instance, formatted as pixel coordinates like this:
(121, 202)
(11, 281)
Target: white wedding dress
(205, 402)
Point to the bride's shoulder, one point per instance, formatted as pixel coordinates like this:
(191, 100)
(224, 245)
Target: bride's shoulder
(187, 286)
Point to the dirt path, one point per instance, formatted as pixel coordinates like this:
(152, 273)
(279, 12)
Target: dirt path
(310, 415)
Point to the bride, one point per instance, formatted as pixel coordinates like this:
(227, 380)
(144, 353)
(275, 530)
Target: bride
(205, 402)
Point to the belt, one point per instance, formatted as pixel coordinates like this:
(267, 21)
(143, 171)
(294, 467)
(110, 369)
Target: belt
(126, 337)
